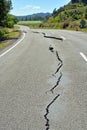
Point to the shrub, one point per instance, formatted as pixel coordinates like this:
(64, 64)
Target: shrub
(74, 25)
(65, 24)
(51, 20)
(41, 25)
(10, 24)
(56, 26)
(3, 33)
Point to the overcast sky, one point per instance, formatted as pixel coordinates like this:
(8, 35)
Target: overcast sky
(25, 7)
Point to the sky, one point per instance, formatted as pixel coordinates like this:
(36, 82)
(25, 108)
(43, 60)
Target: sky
(27, 7)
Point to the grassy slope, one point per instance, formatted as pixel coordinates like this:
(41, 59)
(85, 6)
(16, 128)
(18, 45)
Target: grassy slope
(12, 33)
(55, 23)
(66, 14)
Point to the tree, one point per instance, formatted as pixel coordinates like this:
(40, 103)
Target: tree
(46, 18)
(10, 20)
(84, 1)
(15, 19)
(74, 1)
(54, 12)
(86, 13)
(5, 7)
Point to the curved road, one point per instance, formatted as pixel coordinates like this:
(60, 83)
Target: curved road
(43, 81)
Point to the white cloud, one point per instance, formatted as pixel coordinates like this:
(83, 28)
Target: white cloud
(31, 7)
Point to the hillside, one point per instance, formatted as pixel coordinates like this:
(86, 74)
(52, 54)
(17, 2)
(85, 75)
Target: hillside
(72, 15)
(71, 12)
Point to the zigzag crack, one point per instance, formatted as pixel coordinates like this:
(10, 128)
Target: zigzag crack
(58, 68)
(57, 83)
(47, 112)
(52, 90)
(57, 38)
(59, 58)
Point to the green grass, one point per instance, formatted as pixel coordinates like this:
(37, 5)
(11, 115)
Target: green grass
(12, 33)
(3, 44)
(28, 22)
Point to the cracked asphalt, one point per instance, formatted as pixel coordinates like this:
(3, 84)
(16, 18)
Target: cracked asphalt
(43, 82)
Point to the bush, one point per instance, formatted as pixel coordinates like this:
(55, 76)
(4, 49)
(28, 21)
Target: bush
(3, 33)
(56, 26)
(10, 24)
(74, 25)
(51, 20)
(41, 25)
(65, 24)
(9, 21)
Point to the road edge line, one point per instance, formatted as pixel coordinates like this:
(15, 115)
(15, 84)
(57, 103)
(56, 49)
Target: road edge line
(4, 53)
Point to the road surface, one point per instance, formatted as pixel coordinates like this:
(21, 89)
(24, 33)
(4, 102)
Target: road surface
(43, 81)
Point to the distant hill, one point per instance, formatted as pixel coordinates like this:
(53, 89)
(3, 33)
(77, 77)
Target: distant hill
(37, 16)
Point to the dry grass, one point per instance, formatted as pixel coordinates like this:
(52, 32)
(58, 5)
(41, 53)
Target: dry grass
(12, 34)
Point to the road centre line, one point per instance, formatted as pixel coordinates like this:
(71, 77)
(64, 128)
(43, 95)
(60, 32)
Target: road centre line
(84, 57)
(13, 46)
(63, 38)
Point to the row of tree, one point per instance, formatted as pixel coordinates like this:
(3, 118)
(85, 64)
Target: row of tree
(6, 19)
(26, 18)
(76, 1)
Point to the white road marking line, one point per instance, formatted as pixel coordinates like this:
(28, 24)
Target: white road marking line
(13, 46)
(84, 57)
(63, 38)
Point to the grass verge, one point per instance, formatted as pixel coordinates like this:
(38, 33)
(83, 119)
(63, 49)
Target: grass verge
(13, 33)
(66, 25)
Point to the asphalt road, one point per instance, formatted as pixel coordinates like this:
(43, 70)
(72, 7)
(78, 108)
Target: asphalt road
(43, 81)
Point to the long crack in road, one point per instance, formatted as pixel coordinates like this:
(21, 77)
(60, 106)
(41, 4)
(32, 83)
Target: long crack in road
(56, 85)
(60, 64)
